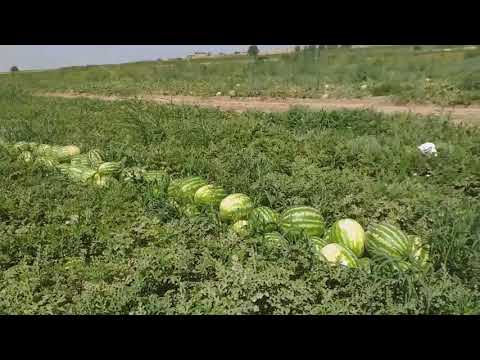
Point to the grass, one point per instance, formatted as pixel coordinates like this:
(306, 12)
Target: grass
(70, 249)
(397, 72)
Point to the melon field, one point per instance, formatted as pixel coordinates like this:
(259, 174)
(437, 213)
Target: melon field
(73, 248)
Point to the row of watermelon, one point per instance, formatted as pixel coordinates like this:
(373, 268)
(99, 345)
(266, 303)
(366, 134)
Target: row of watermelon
(345, 243)
(88, 168)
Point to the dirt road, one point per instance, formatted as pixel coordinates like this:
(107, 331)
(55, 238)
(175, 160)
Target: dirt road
(460, 114)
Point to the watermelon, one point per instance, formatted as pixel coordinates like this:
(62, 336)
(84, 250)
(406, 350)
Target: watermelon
(184, 190)
(209, 195)
(274, 238)
(387, 240)
(71, 150)
(318, 242)
(235, 207)
(62, 153)
(242, 228)
(94, 158)
(21, 146)
(264, 219)
(109, 168)
(189, 210)
(172, 187)
(303, 219)
(77, 173)
(42, 150)
(102, 180)
(420, 251)
(32, 146)
(349, 234)
(132, 174)
(402, 265)
(47, 162)
(26, 156)
(80, 160)
(336, 254)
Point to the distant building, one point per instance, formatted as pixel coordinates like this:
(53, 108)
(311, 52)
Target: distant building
(199, 55)
(288, 50)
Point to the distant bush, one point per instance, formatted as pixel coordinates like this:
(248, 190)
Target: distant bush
(14, 69)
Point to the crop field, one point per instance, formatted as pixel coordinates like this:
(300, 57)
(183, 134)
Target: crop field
(68, 247)
(401, 73)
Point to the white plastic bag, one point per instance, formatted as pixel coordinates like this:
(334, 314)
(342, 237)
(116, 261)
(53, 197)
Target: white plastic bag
(428, 149)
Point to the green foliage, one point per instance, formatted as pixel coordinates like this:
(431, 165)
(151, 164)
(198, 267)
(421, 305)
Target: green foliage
(72, 249)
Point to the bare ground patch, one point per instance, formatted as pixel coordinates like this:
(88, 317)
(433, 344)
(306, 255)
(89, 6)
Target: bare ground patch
(459, 114)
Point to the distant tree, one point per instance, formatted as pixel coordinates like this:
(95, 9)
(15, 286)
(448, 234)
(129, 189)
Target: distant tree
(14, 69)
(417, 47)
(253, 50)
(298, 48)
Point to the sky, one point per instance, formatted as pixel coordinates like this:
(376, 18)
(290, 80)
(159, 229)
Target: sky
(37, 57)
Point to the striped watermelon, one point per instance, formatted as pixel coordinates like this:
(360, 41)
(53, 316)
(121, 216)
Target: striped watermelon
(349, 234)
(32, 146)
(26, 156)
(189, 210)
(303, 219)
(235, 207)
(109, 168)
(173, 187)
(264, 219)
(77, 173)
(420, 251)
(21, 146)
(387, 240)
(274, 238)
(209, 195)
(184, 190)
(336, 254)
(318, 242)
(42, 150)
(402, 265)
(103, 180)
(47, 163)
(132, 174)
(80, 160)
(242, 228)
(94, 158)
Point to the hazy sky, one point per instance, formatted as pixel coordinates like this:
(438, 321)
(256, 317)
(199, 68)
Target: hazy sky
(30, 57)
